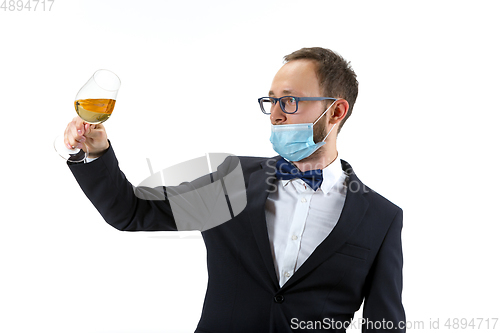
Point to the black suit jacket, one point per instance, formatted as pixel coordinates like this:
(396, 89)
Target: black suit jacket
(361, 259)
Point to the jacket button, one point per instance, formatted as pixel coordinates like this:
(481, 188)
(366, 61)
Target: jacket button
(279, 298)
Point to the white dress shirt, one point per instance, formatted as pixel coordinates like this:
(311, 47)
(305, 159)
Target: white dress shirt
(299, 218)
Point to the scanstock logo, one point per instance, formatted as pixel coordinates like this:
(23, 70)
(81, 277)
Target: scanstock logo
(203, 192)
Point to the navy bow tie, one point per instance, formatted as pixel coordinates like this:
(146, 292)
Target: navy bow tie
(286, 170)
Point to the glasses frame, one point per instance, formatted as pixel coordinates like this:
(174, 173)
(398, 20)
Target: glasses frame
(298, 99)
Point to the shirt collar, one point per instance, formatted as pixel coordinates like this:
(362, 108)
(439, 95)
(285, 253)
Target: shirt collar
(331, 175)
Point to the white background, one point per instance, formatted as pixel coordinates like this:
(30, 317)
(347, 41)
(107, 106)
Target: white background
(423, 134)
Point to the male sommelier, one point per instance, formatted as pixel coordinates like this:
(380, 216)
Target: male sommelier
(311, 244)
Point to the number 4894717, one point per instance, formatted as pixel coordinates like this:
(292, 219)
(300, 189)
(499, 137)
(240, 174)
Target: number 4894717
(26, 5)
(474, 323)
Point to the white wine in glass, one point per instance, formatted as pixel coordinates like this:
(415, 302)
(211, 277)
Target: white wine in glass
(94, 103)
(95, 110)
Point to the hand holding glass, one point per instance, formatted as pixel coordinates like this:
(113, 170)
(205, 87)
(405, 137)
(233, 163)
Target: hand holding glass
(94, 104)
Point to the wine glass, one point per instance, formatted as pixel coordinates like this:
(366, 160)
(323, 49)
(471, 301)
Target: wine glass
(94, 103)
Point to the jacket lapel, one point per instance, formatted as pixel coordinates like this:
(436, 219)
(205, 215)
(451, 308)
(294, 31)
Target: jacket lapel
(353, 212)
(260, 184)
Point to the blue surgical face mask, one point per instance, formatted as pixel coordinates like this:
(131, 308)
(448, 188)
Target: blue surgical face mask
(296, 141)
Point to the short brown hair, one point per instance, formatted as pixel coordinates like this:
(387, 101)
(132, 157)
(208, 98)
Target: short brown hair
(335, 75)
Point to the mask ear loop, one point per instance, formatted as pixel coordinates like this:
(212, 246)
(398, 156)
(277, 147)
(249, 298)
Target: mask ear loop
(322, 116)
(329, 132)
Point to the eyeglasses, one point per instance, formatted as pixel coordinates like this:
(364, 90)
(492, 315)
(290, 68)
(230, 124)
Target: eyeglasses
(288, 104)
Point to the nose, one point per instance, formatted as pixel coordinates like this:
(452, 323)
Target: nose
(277, 115)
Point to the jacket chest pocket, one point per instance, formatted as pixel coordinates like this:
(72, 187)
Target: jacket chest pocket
(354, 251)
(354, 261)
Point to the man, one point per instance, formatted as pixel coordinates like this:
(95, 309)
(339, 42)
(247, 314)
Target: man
(312, 243)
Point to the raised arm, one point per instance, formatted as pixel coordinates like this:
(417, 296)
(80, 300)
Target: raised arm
(201, 204)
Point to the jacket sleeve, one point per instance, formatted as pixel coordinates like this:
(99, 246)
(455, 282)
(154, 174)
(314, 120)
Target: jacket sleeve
(115, 198)
(200, 204)
(383, 309)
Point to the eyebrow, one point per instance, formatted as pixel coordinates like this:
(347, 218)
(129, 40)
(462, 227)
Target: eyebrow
(285, 92)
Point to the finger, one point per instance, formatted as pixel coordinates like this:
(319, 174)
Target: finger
(88, 128)
(74, 135)
(79, 125)
(81, 129)
(69, 139)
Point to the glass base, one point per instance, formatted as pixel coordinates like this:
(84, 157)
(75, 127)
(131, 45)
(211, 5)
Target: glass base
(75, 155)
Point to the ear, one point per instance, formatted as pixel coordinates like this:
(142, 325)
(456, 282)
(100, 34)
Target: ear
(339, 111)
